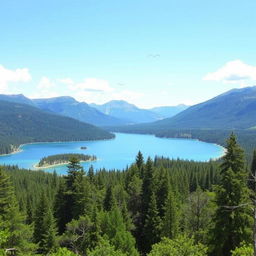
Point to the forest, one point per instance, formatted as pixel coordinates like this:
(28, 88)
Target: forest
(20, 123)
(155, 207)
(63, 159)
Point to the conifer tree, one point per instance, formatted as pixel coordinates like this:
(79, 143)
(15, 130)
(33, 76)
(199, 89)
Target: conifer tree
(171, 217)
(48, 243)
(139, 160)
(232, 218)
(12, 222)
(44, 227)
(162, 191)
(109, 200)
(152, 227)
(252, 185)
(60, 212)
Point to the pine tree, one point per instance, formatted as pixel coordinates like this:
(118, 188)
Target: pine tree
(171, 217)
(232, 218)
(91, 174)
(44, 227)
(48, 243)
(60, 212)
(71, 199)
(139, 160)
(12, 221)
(109, 200)
(252, 185)
(152, 227)
(162, 191)
(148, 187)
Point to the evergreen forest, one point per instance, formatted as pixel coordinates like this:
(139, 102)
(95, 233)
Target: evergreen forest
(155, 207)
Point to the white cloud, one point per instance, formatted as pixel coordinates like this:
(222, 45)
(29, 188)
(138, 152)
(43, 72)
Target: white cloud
(92, 84)
(45, 83)
(8, 76)
(233, 72)
(67, 81)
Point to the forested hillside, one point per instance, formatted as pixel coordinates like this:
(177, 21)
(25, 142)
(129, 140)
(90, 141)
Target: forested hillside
(23, 123)
(121, 213)
(235, 109)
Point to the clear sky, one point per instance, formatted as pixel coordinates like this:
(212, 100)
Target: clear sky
(149, 53)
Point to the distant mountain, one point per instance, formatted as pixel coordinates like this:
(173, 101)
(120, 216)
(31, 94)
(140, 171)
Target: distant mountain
(68, 106)
(17, 98)
(127, 112)
(169, 111)
(235, 109)
(20, 123)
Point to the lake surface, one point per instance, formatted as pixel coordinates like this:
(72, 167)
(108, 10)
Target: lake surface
(116, 153)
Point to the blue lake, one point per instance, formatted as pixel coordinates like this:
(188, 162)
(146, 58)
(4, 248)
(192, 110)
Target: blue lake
(116, 153)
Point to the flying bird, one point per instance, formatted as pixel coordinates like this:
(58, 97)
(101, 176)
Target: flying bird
(156, 55)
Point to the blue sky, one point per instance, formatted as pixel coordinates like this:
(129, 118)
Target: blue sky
(149, 53)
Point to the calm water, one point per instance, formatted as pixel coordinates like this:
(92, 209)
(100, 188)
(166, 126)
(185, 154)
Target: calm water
(116, 153)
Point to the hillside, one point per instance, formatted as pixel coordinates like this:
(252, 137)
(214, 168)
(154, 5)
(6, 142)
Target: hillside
(21, 123)
(127, 112)
(235, 109)
(17, 98)
(68, 106)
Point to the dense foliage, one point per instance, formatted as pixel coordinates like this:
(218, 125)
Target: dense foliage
(63, 158)
(23, 123)
(154, 207)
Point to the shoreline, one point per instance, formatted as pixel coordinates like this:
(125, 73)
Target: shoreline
(35, 166)
(19, 148)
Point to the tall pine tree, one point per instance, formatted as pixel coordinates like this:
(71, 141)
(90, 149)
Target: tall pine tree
(232, 218)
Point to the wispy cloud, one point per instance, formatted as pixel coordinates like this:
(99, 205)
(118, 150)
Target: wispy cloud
(234, 72)
(88, 90)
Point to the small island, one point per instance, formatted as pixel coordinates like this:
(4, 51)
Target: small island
(62, 159)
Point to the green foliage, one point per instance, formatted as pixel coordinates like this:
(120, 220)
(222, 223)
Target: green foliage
(44, 227)
(199, 211)
(170, 225)
(244, 250)
(105, 249)
(181, 246)
(116, 212)
(232, 219)
(63, 252)
(113, 227)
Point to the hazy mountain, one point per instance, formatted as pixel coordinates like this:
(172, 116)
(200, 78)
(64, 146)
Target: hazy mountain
(20, 123)
(169, 111)
(235, 109)
(127, 112)
(68, 106)
(17, 98)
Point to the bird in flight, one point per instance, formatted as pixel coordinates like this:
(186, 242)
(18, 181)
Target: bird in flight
(155, 55)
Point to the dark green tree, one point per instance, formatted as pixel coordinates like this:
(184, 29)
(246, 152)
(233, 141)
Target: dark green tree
(44, 227)
(139, 160)
(170, 226)
(109, 200)
(232, 219)
(152, 228)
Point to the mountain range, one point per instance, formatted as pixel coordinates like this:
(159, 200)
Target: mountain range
(235, 109)
(113, 113)
(127, 112)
